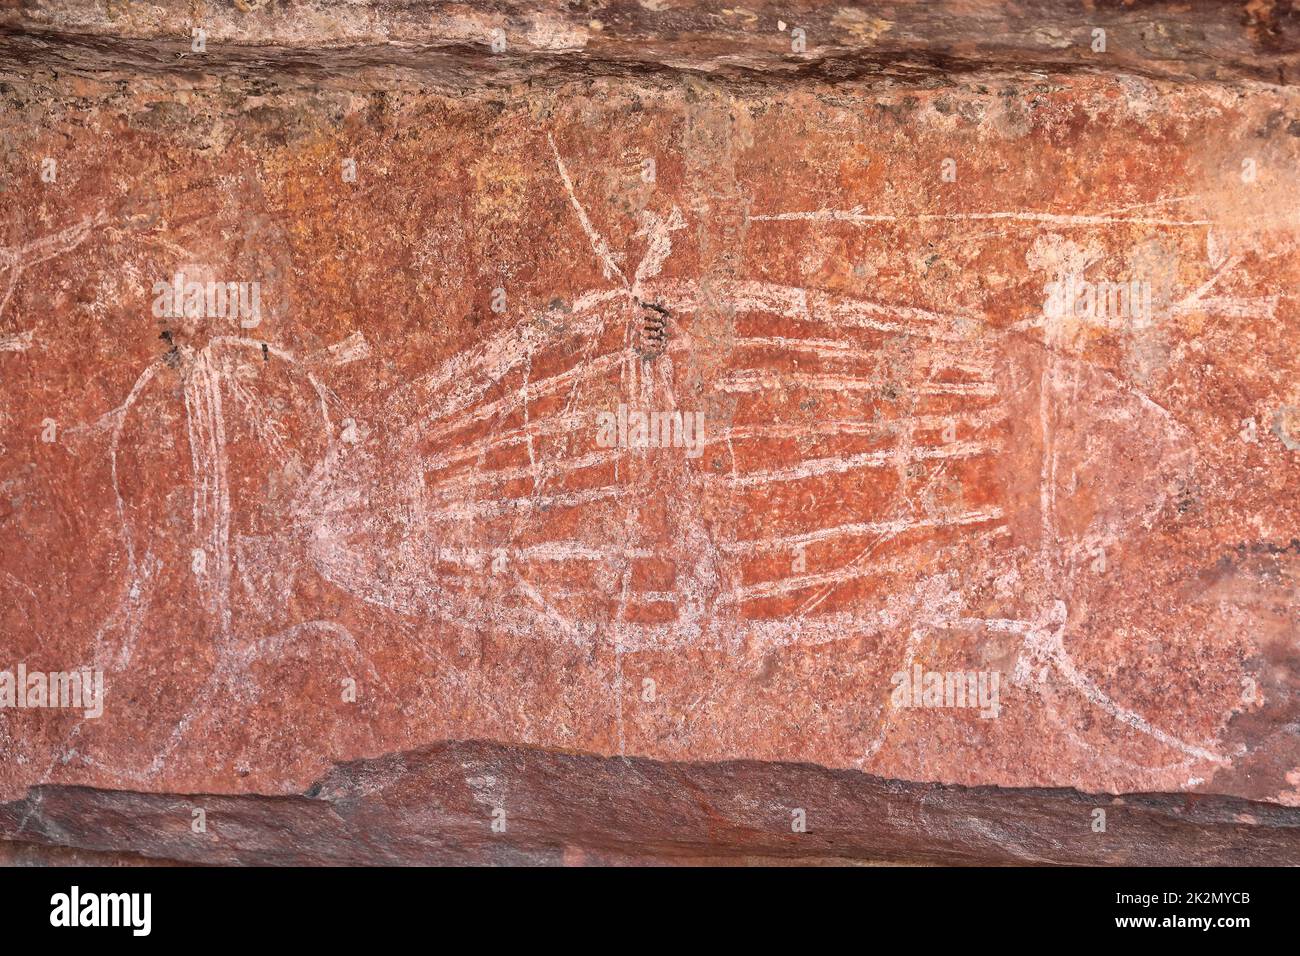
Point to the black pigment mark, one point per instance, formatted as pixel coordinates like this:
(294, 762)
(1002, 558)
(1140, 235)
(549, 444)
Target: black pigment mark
(266, 353)
(172, 357)
(1256, 549)
(1268, 547)
(654, 330)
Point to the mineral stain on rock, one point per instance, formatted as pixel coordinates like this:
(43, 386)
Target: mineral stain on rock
(658, 391)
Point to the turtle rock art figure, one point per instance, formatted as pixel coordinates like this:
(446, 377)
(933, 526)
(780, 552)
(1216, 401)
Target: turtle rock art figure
(828, 467)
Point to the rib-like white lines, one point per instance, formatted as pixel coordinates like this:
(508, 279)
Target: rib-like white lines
(818, 307)
(859, 528)
(822, 579)
(501, 506)
(478, 558)
(464, 378)
(871, 459)
(761, 380)
(459, 484)
(535, 428)
(980, 418)
(458, 411)
(859, 217)
(828, 348)
(942, 357)
(530, 392)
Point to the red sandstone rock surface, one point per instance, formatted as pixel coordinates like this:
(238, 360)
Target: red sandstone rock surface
(410, 464)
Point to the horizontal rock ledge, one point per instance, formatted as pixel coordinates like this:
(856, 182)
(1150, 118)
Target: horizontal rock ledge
(467, 802)
(509, 42)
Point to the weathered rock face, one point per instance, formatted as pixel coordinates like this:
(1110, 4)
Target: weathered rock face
(650, 389)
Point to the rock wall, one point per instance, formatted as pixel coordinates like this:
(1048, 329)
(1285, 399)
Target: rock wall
(904, 390)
